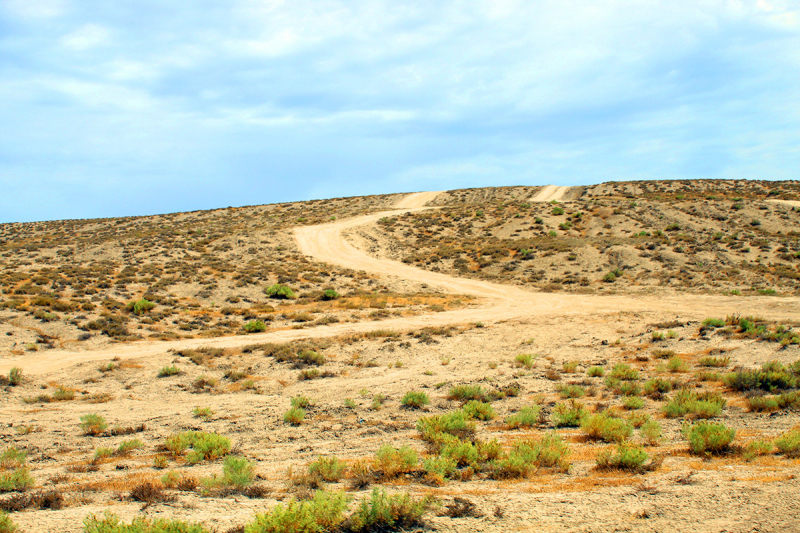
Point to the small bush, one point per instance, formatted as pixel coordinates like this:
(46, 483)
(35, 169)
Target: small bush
(127, 446)
(381, 512)
(605, 428)
(526, 417)
(391, 462)
(706, 438)
(762, 404)
(93, 424)
(203, 412)
(12, 458)
(280, 292)
(140, 307)
(676, 364)
(789, 443)
(656, 387)
(651, 432)
(596, 372)
(111, 524)
(325, 512)
(627, 457)
(569, 414)
(6, 524)
(301, 402)
(714, 362)
(689, 402)
(465, 393)
(330, 294)
(569, 367)
(415, 400)
(438, 469)
(624, 372)
(528, 455)
(17, 479)
(168, 371)
(327, 468)
(713, 323)
(255, 326)
(632, 403)
(757, 448)
(478, 410)
(294, 416)
(455, 423)
(524, 359)
(571, 391)
(204, 446)
(15, 376)
(237, 472)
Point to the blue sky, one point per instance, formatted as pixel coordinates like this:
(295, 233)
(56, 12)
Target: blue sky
(142, 107)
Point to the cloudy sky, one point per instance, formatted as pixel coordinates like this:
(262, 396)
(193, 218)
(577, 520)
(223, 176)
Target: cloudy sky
(152, 106)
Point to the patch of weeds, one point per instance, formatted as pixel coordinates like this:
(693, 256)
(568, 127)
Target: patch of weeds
(390, 462)
(168, 371)
(708, 438)
(606, 428)
(415, 400)
(526, 417)
(571, 391)
(757, 448)
(254, 326)
(465, 393)
(93, 424)
(651, 432)
(689, 402)
(632, 402)
(382, 512)
(294, 416)
(596, 372)
(626, 457)
(324, 512)
(569, 414)
(110, 523)
(203, 412)
(788, 444)
(524, 360)
(280, 292)
(623, 371)
(569, 367)
(714, 362)
(676, 364)
(527, 456)
(478, 410)
(455, 423)
(329, 469)
(204, 446)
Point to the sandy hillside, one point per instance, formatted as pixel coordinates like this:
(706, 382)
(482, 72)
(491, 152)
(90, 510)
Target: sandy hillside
(603, 382)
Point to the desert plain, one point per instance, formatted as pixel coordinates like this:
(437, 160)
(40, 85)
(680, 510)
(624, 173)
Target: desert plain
(616, 357)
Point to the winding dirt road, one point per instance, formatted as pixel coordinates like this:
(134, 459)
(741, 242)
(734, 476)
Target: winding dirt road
(327, 243)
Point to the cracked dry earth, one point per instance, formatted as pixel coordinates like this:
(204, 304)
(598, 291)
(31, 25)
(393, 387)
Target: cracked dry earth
(476, 344)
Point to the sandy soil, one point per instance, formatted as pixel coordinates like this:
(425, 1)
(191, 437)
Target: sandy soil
(685, 494)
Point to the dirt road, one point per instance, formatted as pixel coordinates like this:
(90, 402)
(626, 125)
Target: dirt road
(327, 243)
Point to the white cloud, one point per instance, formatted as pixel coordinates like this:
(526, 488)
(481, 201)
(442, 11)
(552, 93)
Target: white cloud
(86, 37)
(36, 9)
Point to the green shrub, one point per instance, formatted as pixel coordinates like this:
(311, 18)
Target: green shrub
(627, 457)
(524, 359)
(478, 410)
(713, 323)
(596, 372)
(204, 446)
(12, 458)
(102, 453)
(789, 443)
(770, 377)
(381, 512)
(624, 372)
(237, 471)
(526, 456)
(327, 468)
(651, 432)
(439, 468)
(689, 402)
(140, 307)
(301, 401)
(569, 414)
(571, 391)
(714, 362)
(606, 428)
(464, 453)
(294, 416)
(6, 524)
(93, 424)
(455, 423)
(255, 326)
(415, 400)
(676, 364)
(708, 438)
(558, 211)
(330, 294)
(168, 371)
(762, 404)
(203, 412)
(657, 386)
(757, 448)
(526, 417)
(127, 446)
(15, 376)
(280, 292)
(111, 524)
(17, 479)
(325, 512)
(465, 393)
(392, 462)
(632, 403)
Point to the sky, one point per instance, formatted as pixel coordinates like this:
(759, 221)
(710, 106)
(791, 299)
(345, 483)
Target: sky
(151, 106)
